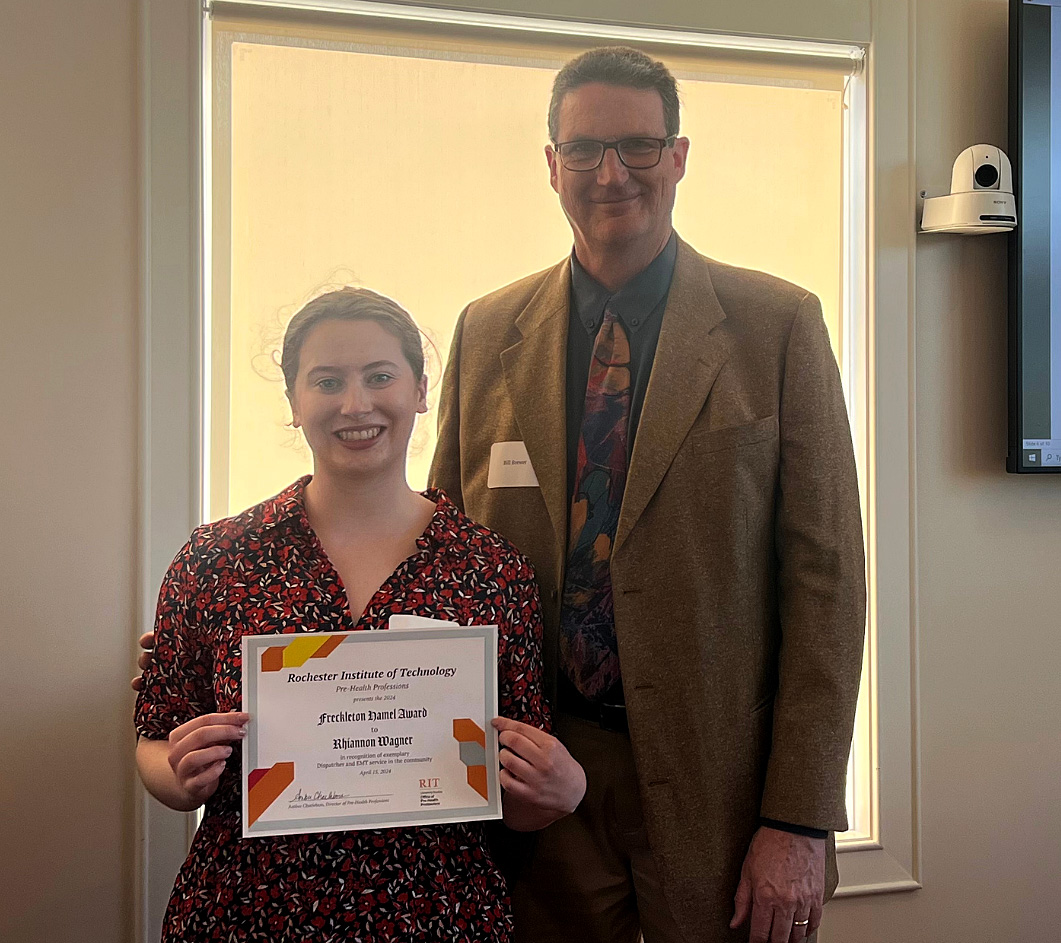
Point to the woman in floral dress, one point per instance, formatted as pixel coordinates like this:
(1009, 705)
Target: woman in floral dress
(343, 549)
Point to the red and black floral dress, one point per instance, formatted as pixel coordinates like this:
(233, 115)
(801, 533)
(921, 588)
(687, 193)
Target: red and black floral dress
(265, 571)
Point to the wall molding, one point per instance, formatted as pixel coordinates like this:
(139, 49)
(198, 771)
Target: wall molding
(170, 302)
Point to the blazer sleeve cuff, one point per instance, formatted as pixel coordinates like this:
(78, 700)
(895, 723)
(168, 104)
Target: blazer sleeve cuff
(803, 830)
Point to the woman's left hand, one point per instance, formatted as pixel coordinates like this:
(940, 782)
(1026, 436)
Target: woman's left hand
(537, 772)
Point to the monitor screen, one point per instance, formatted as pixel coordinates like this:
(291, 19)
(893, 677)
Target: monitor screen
(1035, 246)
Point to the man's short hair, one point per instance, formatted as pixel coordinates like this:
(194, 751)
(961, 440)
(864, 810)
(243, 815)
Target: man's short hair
(615, 65)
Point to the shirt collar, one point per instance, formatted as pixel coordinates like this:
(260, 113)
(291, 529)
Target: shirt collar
(634, 304)
(444, 524)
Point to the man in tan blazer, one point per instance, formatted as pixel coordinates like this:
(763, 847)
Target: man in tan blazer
(716, 774)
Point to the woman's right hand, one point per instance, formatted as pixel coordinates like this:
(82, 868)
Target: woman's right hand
(199, 749)
(543, 782)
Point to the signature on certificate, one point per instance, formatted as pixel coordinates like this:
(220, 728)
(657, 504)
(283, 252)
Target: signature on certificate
(318, 796)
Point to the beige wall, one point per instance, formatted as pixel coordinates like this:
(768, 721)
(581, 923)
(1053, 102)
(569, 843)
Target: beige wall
(988, 546)
(987, 543)
(68, 257)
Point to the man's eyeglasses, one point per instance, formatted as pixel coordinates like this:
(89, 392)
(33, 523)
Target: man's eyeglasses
(635, 153)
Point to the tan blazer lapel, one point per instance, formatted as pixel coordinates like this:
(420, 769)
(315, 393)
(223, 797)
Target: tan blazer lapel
(536, 377)
(688, 358)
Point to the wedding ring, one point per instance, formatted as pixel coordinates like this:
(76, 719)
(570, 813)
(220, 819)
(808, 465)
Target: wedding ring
(800, 923)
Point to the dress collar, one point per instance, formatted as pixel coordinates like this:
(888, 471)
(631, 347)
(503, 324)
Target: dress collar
(289, 508)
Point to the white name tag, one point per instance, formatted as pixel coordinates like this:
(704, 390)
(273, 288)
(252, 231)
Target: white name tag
(510, 466)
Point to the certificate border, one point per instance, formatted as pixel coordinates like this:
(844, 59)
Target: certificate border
(251, 648)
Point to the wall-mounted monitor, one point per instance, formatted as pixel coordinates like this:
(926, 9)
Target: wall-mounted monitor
(1035, 246)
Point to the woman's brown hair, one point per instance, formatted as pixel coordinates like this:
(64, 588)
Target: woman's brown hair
(351, 304)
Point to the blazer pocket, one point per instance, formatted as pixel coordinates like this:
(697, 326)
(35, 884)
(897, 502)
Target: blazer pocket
(731, 437)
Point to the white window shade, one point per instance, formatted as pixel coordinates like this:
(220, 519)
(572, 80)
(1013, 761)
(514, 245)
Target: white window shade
(408, 157)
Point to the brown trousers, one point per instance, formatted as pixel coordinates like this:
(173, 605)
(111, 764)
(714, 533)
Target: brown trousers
(592, 878)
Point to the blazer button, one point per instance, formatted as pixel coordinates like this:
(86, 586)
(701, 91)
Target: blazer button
(553, 595)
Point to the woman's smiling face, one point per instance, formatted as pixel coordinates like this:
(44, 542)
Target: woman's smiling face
(356, 398)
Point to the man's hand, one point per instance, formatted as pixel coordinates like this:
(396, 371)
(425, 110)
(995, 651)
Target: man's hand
(781, 885)
(147, 642)
(542, 781)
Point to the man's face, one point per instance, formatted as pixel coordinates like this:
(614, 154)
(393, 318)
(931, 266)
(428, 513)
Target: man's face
(613, 209)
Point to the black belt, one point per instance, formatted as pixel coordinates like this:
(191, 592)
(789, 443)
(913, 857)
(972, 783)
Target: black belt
(608, 716)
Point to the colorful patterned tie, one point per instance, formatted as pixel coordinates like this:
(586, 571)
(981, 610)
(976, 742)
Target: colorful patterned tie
(588, 651)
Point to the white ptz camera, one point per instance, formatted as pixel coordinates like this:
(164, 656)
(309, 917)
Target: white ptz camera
(981, 195)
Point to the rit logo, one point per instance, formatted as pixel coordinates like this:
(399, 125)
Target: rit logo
(428, 783)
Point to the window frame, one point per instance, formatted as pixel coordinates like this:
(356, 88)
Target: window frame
(175, 288)
(226, 32)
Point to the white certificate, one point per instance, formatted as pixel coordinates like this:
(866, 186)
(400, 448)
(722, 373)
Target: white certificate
(370, 729)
